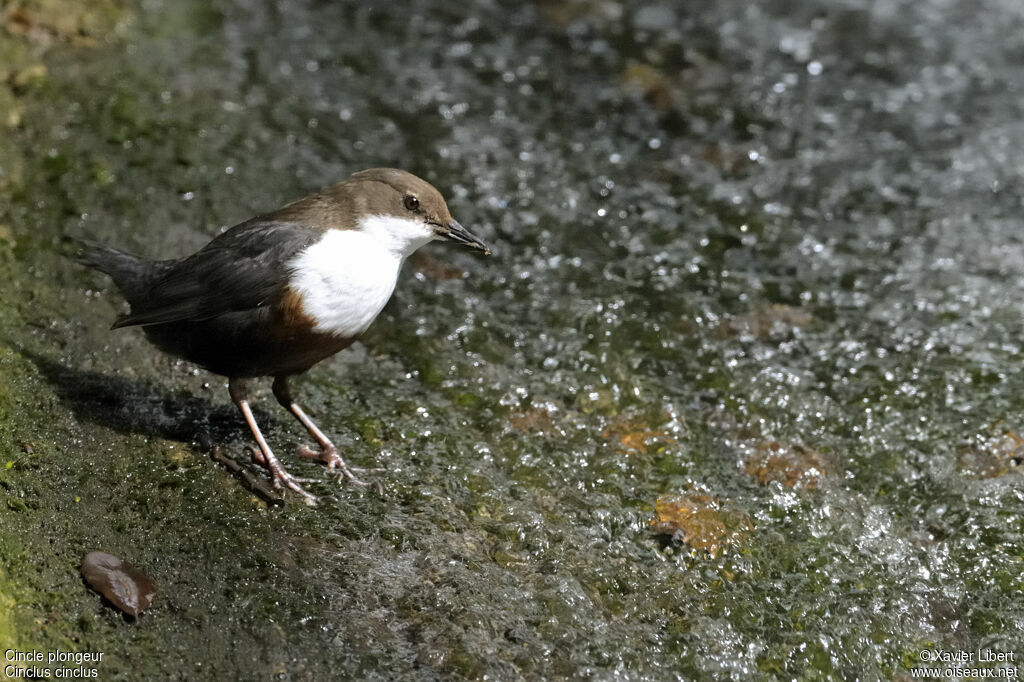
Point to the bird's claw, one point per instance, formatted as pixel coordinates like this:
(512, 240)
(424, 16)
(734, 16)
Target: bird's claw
(282, 479)
(335, 464)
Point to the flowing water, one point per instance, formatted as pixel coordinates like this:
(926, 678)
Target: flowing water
(736, 397)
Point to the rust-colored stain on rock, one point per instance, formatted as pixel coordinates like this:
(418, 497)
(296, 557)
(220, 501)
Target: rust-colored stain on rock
(701, 521)
(791, 464)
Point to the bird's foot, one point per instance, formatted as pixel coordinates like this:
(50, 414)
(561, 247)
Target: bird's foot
(335, 464)
(282, 479)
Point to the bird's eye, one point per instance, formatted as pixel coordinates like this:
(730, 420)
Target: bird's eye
(411, 202)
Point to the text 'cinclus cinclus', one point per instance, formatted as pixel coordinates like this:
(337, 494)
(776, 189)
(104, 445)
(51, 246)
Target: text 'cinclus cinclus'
(278, 293)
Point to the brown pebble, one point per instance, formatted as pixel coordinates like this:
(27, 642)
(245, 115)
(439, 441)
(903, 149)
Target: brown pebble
(124, 586)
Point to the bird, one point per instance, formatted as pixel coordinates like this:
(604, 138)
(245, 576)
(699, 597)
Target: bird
(280, 292)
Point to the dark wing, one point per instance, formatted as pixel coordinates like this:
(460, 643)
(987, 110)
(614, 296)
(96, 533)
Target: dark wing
(241, 269)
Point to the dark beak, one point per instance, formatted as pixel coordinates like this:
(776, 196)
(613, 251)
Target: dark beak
(457, 233)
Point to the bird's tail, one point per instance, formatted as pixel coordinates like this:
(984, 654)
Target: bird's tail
(130, 273)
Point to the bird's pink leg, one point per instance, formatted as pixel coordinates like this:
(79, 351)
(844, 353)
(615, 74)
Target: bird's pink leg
(267, 458)
(328, 453)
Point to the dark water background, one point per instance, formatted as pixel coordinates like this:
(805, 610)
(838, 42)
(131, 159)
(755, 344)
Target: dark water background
(720, 229)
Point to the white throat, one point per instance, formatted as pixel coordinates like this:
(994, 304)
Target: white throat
(398, 235)
(347, 277)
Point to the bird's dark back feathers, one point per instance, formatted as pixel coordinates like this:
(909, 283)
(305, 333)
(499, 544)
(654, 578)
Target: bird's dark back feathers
(241, 269)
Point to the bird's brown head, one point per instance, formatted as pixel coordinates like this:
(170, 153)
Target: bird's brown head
(395, 202)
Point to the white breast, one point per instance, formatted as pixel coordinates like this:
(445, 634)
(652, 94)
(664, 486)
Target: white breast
(347, 277)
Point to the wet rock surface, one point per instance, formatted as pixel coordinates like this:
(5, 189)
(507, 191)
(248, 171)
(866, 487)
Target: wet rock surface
(714, 224)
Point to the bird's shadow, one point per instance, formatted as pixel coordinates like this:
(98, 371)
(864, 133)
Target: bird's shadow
(135, 406)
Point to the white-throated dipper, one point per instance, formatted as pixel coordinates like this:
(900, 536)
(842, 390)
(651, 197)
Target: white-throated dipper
(278, 293)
